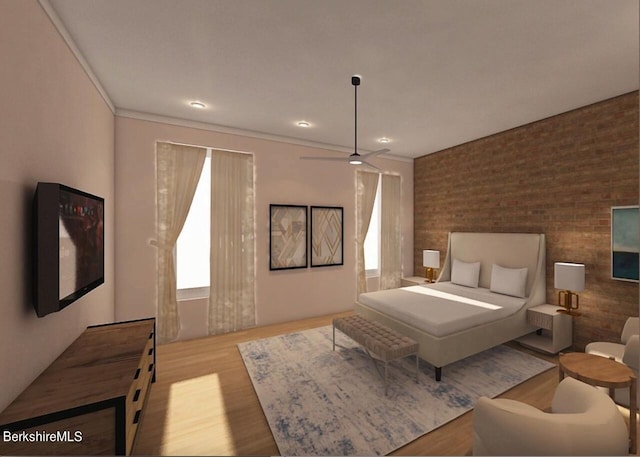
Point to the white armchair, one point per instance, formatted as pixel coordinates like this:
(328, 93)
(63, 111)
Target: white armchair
(627, 352)
(615, 350)
(583, 421)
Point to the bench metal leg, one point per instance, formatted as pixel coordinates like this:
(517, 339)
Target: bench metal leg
(386, 383)
(417, 369)
(334, 337)
(438, 373)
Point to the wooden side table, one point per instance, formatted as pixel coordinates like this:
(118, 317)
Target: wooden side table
(603, 372)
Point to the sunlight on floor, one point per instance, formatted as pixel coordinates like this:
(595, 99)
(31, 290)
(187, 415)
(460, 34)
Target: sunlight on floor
(196, 407)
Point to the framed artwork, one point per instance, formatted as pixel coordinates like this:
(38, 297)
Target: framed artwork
(624, 243)
(327, 233)
(288, 237)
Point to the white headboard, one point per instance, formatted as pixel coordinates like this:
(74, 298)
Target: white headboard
(511, 250)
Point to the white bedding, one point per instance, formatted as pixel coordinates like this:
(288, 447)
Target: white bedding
(443, 308)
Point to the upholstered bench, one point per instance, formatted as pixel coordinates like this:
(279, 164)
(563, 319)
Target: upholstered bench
(380, 342)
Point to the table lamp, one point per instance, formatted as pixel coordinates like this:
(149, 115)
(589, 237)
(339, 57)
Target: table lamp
(430, 260)
(569, 278)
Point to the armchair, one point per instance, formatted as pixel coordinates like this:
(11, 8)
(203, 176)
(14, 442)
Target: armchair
(583, 421)
(627, 352)
(615, 350)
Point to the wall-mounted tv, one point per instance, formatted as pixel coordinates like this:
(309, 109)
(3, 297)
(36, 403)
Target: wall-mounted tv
(69, 246)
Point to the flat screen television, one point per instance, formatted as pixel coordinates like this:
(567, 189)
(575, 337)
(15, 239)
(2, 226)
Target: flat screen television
(69, 246)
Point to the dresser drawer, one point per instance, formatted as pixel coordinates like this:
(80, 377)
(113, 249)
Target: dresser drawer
(541, 320)
(137, 395)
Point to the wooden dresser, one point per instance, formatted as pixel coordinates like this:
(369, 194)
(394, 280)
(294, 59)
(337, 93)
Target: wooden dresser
(90, 400)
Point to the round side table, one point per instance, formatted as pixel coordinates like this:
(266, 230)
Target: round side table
(603, 372)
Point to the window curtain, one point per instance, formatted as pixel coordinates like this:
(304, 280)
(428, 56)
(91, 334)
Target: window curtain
(366, 188)
(390, 233)
(178, 170)
(231, 300)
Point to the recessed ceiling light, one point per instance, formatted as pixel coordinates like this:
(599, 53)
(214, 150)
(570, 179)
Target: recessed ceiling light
(304, 124)
(384, 140)
(198, 105)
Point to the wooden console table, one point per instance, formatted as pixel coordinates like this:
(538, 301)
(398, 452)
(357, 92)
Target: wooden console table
(603, 372)
(90, 400)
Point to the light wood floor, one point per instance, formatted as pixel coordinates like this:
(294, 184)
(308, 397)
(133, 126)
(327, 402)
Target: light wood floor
(203, 402)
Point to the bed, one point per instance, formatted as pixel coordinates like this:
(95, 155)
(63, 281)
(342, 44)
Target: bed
(450, 321)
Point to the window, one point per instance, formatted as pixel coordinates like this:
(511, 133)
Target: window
(193, 246)
(372, 240)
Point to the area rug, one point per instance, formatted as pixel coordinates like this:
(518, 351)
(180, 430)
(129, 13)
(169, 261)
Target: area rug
(321, 402)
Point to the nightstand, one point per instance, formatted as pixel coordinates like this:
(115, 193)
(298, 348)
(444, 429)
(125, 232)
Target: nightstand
(412, 281)
(555, 331)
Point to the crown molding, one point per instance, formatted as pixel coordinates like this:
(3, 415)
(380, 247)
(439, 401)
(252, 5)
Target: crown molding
(245, 132)
(62, 30)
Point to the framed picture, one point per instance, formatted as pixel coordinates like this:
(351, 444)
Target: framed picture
(327, 233)
(288, 237)
(624, 243)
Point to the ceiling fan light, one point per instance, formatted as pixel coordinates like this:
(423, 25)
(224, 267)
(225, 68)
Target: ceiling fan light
(354, 159)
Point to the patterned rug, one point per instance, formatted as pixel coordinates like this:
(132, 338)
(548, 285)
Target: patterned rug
(320, 402)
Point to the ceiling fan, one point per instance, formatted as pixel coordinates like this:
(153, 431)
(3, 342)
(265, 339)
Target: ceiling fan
(355, 158)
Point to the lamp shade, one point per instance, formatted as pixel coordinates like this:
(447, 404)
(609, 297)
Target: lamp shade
(568, 276)
(431, 259)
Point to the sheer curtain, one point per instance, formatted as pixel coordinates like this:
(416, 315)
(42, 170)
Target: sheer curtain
(390, 233)
(366, 188)
(178, 170)
(231, 299)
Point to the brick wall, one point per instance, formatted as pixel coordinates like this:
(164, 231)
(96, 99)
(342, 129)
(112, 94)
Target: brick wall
(559, 176)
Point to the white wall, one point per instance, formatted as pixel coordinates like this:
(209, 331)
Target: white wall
(54, 126)
(280, 178)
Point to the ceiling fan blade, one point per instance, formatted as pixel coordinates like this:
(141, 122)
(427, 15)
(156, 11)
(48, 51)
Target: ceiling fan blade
(375, 153)
(339, 159)
(371, 166)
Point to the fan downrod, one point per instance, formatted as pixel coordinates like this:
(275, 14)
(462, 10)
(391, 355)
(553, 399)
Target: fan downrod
(354, 159)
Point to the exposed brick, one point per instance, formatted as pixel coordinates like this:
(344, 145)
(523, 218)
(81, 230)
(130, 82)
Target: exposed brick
(559, 176)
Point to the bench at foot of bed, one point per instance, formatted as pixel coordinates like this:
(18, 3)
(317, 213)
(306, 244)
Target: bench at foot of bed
(379, 341)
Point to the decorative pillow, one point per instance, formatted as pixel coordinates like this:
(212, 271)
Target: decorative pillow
(465, 273)
(508, 281)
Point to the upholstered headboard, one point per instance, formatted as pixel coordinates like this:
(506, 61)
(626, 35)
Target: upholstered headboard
(511, 250)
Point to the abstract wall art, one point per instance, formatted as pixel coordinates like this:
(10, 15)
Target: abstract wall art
(624, 243)
(288, 237)
(327, 232)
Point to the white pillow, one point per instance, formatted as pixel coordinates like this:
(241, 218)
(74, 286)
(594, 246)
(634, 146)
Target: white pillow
(508, 281)
(465, 273)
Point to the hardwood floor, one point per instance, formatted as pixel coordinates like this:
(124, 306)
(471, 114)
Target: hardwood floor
(203, 402)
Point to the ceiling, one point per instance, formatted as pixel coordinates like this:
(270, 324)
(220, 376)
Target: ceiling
(435, 73)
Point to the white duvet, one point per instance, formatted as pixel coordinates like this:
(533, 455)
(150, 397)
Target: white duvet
(442, 308)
